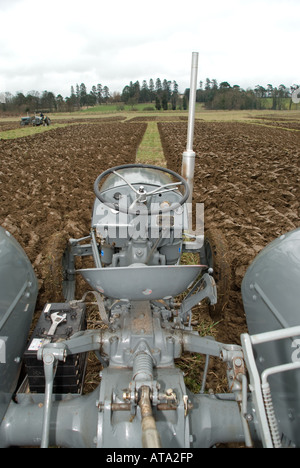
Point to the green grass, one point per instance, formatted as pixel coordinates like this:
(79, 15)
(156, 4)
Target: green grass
(118, 107)
(150, 150)
(27, 131)
(121, 107)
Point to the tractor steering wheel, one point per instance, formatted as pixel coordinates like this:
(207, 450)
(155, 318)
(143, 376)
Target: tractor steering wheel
(142, 195)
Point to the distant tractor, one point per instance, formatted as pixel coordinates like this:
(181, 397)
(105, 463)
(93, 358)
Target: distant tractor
(25, 121)
(35, 121)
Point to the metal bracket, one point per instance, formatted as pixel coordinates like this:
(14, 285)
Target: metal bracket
(259, 385)
(99, 302)
(204, 288)
(50, 357)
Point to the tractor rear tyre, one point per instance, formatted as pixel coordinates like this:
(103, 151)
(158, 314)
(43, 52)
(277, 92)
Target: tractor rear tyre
(217, 257)
(55, 267)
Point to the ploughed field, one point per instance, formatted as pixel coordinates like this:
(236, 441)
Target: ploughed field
(46, 185)
(248, 178)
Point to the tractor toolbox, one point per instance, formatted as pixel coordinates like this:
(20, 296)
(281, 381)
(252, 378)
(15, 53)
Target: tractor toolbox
(57, 322)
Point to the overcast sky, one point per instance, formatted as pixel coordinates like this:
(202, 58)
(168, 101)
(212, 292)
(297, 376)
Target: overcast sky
(56, 44)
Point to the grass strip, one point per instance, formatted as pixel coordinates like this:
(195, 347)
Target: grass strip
(150, 150)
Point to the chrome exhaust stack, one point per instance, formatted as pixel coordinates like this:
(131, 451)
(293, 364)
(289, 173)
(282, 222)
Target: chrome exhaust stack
(188, 156)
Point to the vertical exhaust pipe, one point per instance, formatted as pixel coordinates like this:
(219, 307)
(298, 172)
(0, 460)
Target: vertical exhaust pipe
(188, 157)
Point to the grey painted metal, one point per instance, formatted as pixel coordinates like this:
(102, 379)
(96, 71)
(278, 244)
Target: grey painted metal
(205, 287)
(140, 282)
(192, 101)
(123, 431)
(215, 419)
(141, 352)
(188, 157)
(141, 195)
(18, 294)
(136, 176)
(73, 421)
(256, 391)
(276, 307)
(271, 297)
(76, 421)
(140, 216)
(135, 325)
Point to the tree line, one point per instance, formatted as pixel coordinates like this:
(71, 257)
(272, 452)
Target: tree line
(159, 94)
(46, 101)
(164, 93)
(226, 97)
